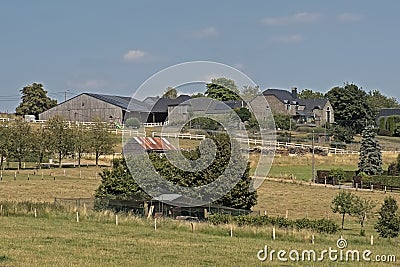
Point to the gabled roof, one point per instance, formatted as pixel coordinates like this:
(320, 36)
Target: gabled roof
(120, 101)
(311, 104)
(387, 112)
(285, 96)
(282, 95)
(151, 100)
(162, 104)
(124, 102)
(211, 106)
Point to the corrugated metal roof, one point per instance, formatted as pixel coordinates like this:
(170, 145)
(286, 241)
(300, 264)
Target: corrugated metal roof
(162, 103)
(124, 102)
(154, 143)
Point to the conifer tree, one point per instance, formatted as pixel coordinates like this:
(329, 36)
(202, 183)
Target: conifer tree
(370, 153)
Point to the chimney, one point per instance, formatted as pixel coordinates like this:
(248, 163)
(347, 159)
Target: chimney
(294, 92)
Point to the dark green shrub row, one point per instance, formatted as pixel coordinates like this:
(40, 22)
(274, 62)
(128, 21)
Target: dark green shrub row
(383, 180)
(305, 129)
(320, 226)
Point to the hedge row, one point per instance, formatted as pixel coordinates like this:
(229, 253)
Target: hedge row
(320, 226)
(383, 180)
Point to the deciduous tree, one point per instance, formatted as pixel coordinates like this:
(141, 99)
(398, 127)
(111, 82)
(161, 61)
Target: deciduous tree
(362, 209)
(101, 140)
(343, 204)
(120, 181)
(5, 142)
(171, 93)
(61, 140)
(21, 140)
(388, 225)
(222, 89)
(309, 94)
(34, 101)
(250, 92)
(351, 107)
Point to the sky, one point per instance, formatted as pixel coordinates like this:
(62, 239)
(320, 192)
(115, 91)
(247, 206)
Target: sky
(112, 47)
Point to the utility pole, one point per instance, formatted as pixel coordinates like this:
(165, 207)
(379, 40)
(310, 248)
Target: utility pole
(65, 95)
(313, 158)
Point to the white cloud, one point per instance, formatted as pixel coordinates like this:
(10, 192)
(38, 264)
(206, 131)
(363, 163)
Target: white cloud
(303, 17)
(134, 55)
(288, 39)
(206, 33)
(349, 17)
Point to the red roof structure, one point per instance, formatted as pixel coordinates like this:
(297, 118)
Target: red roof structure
(154, 143)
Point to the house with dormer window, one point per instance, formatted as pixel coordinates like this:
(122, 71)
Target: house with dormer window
(306, 112)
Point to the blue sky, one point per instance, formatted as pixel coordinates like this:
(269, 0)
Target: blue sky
(114, 46)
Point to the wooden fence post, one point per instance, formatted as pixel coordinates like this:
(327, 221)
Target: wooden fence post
(273, 233)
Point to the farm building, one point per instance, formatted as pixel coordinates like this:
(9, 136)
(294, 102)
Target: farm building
(309, 112)
(91, 107)
(112, 108)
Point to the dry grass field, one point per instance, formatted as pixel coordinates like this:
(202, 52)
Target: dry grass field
(56, 239)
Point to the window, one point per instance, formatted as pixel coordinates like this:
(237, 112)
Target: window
(328, 115)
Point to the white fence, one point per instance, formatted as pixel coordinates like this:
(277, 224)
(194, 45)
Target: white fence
(182, 136)
(258, 142)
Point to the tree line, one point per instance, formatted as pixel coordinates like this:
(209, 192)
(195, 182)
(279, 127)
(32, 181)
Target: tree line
(388, 224)
(22, 141)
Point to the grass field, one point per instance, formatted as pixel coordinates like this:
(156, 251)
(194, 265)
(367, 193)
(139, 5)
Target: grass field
(59, 240)
(56, 239)
(76, 183)
(300, 167)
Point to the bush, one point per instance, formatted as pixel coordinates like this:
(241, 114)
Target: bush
(133, 123)
(388, 225)
(305, 129)
(320, 226)
(337, 173)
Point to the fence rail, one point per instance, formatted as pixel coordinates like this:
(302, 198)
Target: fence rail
(262, 143)
(124, 131)
(178, 135)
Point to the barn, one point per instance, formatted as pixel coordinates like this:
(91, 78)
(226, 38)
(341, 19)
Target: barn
(88, 107)
(91, 107)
